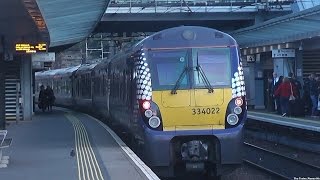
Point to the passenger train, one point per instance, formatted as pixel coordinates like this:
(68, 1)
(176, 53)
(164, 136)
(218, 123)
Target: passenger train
(178, 93)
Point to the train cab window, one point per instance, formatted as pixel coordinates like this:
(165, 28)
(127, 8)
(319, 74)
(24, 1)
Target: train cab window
(166, 68)
(215, 64)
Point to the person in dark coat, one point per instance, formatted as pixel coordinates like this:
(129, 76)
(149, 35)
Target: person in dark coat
(277, 97)
(296, 83)
(270, 97)
(297, 107)
(313, 90)
(50, 97)
(306, 95)
(42, 99)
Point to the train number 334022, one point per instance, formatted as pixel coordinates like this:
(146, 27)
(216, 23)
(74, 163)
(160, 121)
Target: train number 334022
(198, 111)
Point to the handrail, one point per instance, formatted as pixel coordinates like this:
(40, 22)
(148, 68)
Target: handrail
(3, 134)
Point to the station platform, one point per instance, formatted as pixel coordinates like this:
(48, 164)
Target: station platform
(306, 123)
(64, 144)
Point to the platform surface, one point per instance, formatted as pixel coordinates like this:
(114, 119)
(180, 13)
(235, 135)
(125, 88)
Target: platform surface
(42, 150)
(307, 123)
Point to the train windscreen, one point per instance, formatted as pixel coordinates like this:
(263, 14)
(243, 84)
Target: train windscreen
(166, 67)
(170, 68)
(215, 65)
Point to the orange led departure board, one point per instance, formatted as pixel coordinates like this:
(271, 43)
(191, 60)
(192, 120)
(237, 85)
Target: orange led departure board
(31, 48)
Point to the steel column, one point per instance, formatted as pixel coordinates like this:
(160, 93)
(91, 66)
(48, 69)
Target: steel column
(26, 87)
(2, 94)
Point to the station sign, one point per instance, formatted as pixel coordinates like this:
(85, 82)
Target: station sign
(43, 57)
(283, 53)
(251, 59)
(31, 48)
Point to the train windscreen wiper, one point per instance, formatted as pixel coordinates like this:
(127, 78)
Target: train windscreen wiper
(178, 82)
(204, 77)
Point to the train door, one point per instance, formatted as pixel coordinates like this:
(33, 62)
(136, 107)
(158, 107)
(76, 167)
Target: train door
(213, 69)
(74, 86)
(171, 86)
(108, 87)
(92, 81)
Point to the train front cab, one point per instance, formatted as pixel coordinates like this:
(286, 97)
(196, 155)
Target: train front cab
(194, 120)
(217, 150)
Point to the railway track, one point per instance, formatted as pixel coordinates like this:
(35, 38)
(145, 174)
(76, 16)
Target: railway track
(278, 164)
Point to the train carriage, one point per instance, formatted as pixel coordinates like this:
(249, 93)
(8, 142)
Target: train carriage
(83, 86)
(180, 96)
(61, 82)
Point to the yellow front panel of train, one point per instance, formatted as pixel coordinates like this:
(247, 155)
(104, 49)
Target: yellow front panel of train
(174, 101)
(192, 109)
(203, 98)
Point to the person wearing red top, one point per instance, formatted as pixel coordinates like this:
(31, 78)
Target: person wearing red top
(284, 90)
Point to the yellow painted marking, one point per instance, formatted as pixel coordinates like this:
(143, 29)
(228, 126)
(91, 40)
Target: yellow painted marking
(88, 167)
(138, 162)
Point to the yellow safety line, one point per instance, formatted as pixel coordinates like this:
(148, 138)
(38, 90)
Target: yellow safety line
(77, 150)
(88, 166)
(137, 161)
(82, 151)
(86, 145)
(93, 157)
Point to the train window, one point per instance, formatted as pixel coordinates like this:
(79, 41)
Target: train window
(215, 63)
(166, 68)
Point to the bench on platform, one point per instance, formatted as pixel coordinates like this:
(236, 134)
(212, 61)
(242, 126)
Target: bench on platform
(4, 143)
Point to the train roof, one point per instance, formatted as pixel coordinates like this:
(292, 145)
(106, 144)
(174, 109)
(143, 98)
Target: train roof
(68, 70)
(84, 68)
(57, 72)
(186, 37)
(46, 73)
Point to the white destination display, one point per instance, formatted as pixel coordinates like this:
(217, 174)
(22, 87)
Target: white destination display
(283, 53)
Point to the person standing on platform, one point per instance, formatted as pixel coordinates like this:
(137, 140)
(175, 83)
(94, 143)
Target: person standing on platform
(275, 78)
(270, 95)
(50, 97)
(297, 106)
(42, 99)
(284, 91)
(277, 97)
(313, 90)
(296, 83)
(306, 95)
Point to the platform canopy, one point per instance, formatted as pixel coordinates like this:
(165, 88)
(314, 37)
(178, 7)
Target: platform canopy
(70, 21)
(293, 27)
(15, 25)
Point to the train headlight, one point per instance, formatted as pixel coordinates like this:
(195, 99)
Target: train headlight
(148, 113)
(239, 102)
(188, 35)
(146, 105)
(154, 122)
(232, 119)
(237, 110)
